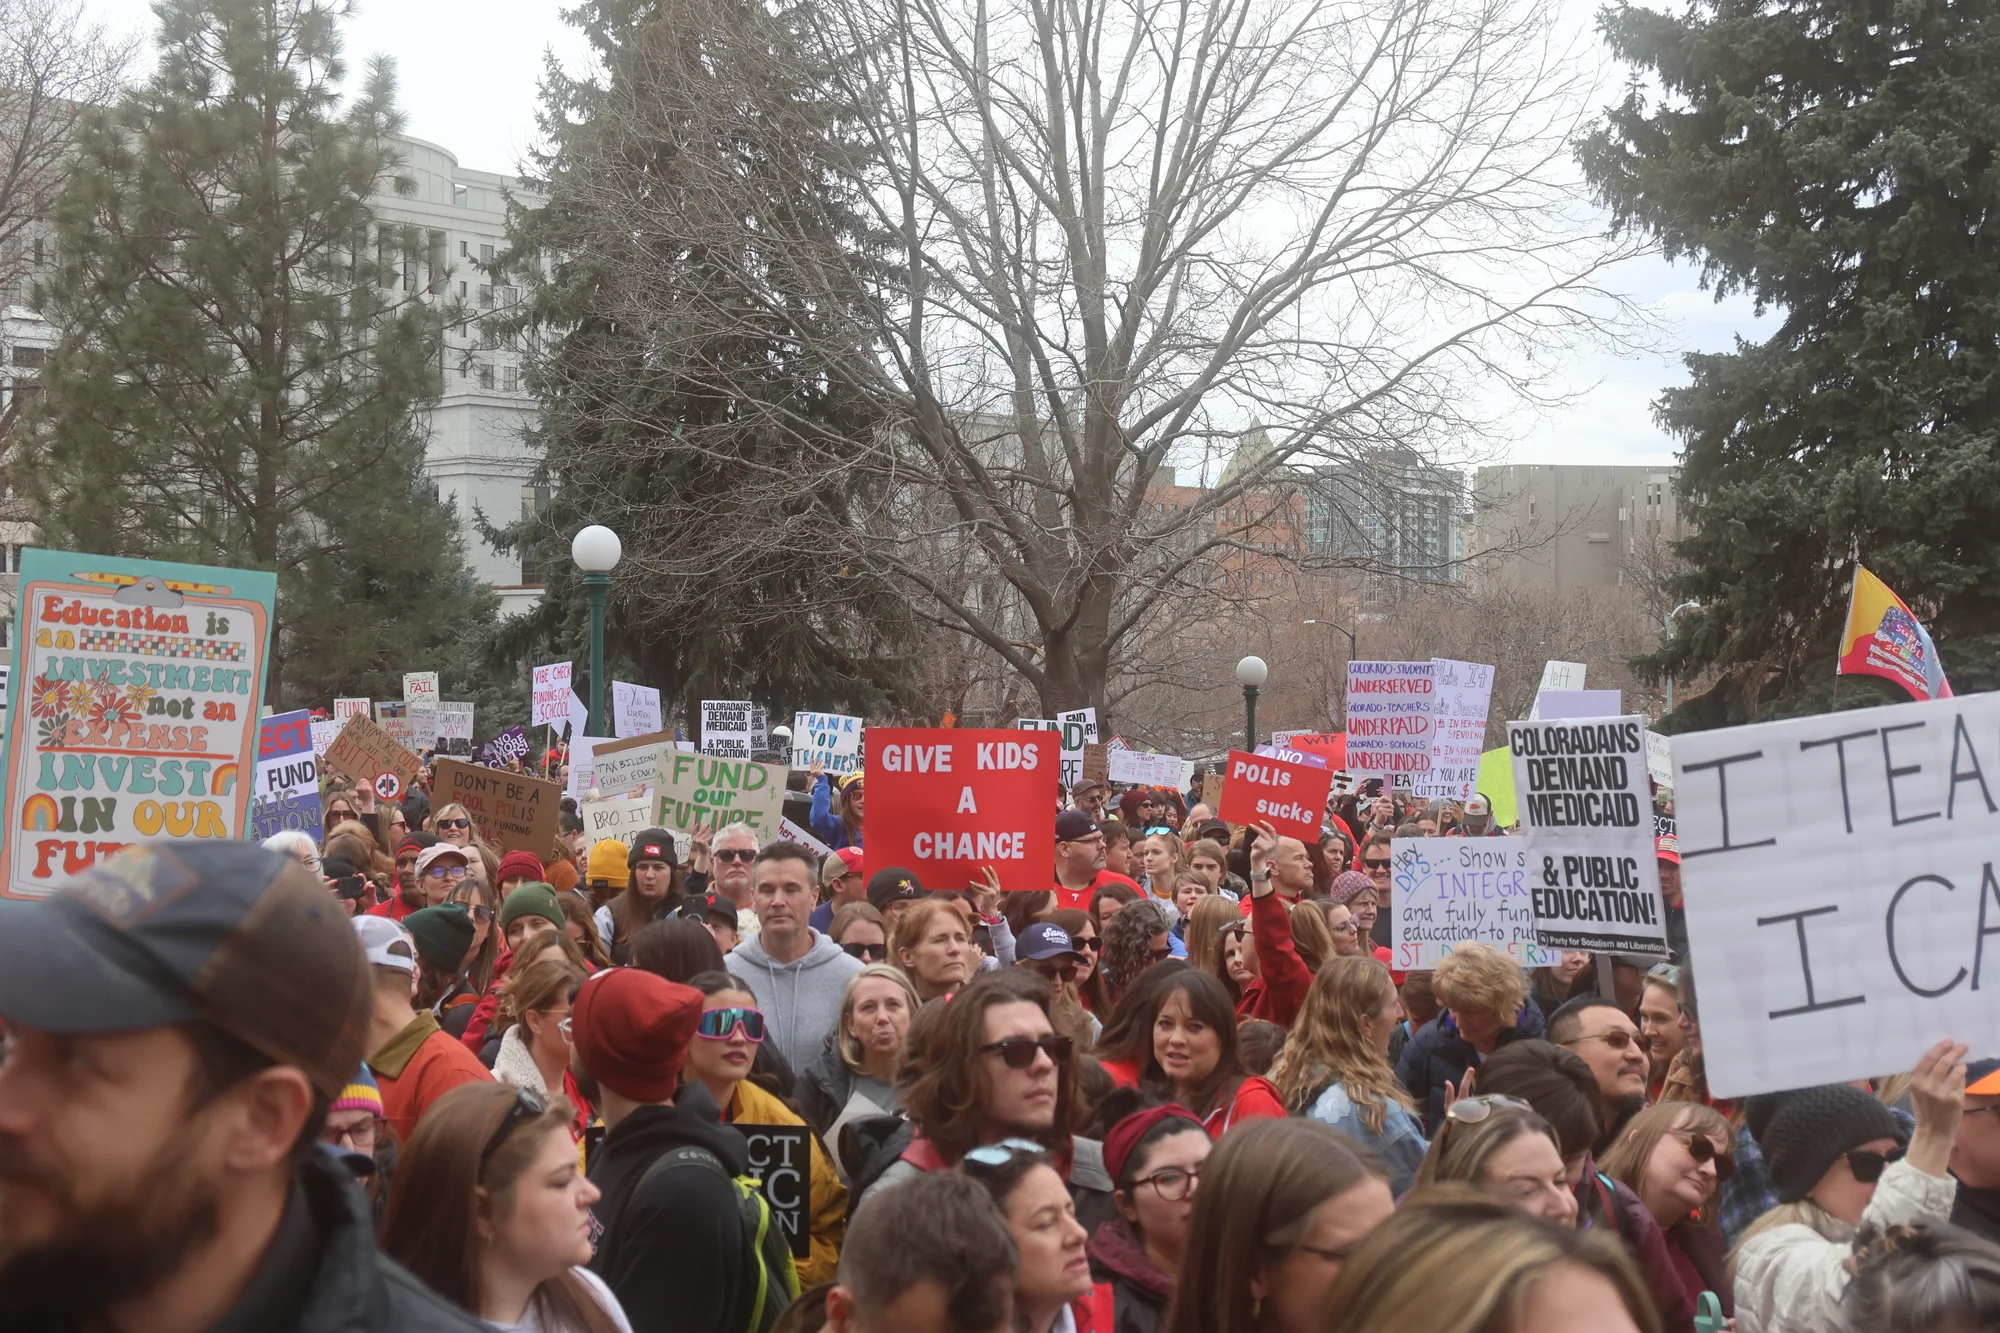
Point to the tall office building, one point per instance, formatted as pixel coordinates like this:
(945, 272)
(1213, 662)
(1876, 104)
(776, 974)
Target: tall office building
(1566, 526)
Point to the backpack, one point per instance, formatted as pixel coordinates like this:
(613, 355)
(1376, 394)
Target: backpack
(870, 1145)
(767, 1254)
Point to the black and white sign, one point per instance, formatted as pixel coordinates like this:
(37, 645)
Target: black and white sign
(1587, 815)
(725, 728)
(781, 1159)
(1840, 879)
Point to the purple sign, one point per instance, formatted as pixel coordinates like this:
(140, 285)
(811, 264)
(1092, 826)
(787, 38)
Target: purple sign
(510, 744)
(1292, 756)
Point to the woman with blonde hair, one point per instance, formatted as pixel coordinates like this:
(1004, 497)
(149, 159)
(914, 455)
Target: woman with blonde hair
(1208, 950)
(453, 823)
(1334, 1066)
(933, 947)
(1454, 1262)
(1675, 1156)
(866, 1052)
(1310, 934)
(1160, 862)
(534, 1050)
(1499, 1145)
(1485, 999)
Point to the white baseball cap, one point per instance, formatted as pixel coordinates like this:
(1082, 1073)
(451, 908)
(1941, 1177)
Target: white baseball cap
(386, 943)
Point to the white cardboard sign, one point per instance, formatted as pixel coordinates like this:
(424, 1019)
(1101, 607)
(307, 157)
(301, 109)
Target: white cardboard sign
(1445, 892)
(1078, 729)
(725, 728)
(829, 739)
(1557, 676)
(635, 709)
(1458, 715)
(549, 695)
(1144, 769)
(1587, 816)
(1554, 704)
(1841, 886)
(1389, 716)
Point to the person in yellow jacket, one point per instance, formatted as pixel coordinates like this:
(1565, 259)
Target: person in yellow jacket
(719, 1058)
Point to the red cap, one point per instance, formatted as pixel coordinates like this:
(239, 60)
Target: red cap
(1668, 847)
(522, 863)
(632, 1030)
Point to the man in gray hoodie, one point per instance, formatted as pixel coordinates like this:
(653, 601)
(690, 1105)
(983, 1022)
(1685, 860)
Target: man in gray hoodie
(796, 973)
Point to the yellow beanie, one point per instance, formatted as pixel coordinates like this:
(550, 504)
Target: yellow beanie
(607, 862)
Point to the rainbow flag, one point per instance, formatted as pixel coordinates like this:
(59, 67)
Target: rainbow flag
(1883, 639)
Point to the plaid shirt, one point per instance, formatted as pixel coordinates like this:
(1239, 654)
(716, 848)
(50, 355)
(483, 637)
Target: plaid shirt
(1747, 1195)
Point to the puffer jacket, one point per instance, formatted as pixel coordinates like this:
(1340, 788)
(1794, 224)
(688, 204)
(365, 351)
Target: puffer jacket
(1436, 1055)
(827, 1207)
(1789, 1279)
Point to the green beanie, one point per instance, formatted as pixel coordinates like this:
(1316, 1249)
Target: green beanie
(531, 899)
(443, 935)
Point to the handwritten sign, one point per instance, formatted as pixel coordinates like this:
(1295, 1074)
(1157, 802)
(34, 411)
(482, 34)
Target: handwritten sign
(1587, 815)
(509, 745)
(620, 818)
(725, 728)
(287, 794)
(1078, 729)
(1458, 714)
(1445, 892)
(135, 709)
(393, 716)
(366, 753)
(549, 695)
(1389, 716)
(1557, 676)
(1842, 883)
(635, 709)
(511, 809)
(346, 708)
(420, 687)
(705, 791)
(620, 768)
(831, 740)
(454, 728)
(1145, 769)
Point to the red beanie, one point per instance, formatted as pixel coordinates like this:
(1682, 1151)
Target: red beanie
(519, 863)
(1125, 1135)
(632, 1029)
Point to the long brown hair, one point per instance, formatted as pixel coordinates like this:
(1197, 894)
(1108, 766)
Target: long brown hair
(1326, 1042)
(1258, 1192)
(478, 969)
(1310, 934)
(1208, 1004)
(631, 913)
(536, 987)
(1204, 938)
(1627, 1158)
(1095, 993)
(435, 1200)
(944, 1080)
(577, 912)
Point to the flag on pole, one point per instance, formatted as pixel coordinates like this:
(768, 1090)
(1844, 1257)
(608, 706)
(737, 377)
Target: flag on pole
(1883, 639)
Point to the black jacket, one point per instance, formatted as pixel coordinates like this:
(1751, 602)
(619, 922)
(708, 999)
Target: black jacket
(323, 1274)
(673, 1251)
(1978, 1211)
(1140, 1292)
(1437, 1054)
(825, 1087)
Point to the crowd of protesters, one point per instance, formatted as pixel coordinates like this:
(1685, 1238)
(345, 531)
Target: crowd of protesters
(401, 1078)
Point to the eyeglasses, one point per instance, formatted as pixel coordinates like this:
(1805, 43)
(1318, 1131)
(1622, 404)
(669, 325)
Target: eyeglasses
(1003, 1152)
(356, 1138)
(1172, 1183)
(1702, 1148)
(454, 823)
(1374, 864)
(735, 854)
(1617, 1039)
(477, 911)
(527, 1105)
(1868, 1165)
(1019, 1052)
(721, 1024)
(1346, 927)
(336, 815)
(563, 1027)
(445, 872)
(867, 953)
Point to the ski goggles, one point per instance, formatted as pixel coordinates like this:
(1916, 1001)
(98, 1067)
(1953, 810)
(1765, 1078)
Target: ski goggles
(721, 1024)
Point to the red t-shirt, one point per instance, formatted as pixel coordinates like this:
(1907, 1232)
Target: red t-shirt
(394, 908)
(1080, 898)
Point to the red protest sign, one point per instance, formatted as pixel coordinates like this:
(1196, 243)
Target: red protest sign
(1328, 745)
(945, 802)
(1291, 798)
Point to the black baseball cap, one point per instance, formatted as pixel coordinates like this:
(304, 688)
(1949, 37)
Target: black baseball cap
(1074, 824)
(718, 908)
(169, 932)
(893, 884)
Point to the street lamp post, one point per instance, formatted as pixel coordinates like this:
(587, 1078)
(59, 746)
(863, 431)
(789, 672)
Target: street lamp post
(1250, 673)
(1352, 653)
(596, 550)
(1668, 621)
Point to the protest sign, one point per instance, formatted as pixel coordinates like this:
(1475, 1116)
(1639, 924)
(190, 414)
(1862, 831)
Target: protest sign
(1389, 722)
(1078, 729)
(622, 767)
(1289, 797)
(1554, 704)
(1037, 724)
(1660, 759)
(420, 687)
(346, 708)
(423, 725)
(725, 728)
(1464, 692)
(393, 716)
(548, 702)
(1841, 884)
(579, 717)
(1587, 815)
(511, 811)
(831, 740)
(287, 792)
(583, 762)
(801, 836)
(1145, 769)
(454, 728)
(136, 712)
(760, 736)
(1330, 746)
(781, 1162)
(509, 745)
(619, 817)
(1211, 790)
(635, 709)
(1557, 676)
(324, 729)
(707, 791)
(945, 803)
(1446, 892)
(1097, 763)
(366, 753)
(1496, 784)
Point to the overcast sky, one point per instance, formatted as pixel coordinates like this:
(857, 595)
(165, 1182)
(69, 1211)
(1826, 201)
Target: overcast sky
(468, 71)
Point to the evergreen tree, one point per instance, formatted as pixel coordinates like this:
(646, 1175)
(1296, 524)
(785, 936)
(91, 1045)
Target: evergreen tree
(246, 351)
(1836, 160)
(681, 366)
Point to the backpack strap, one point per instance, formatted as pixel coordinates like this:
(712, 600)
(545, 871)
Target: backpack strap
(685, 1155)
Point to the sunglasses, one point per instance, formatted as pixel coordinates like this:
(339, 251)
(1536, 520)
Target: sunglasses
(1090, 942)
(1866, 1165)
(735, 854)
(1019, 1052)
(527, 1105)
(1702, 1148)
(336, 815)
(454, 823)
(1616, 1039)
(1472, 1110)
(721, 1024)
(867, 953)
(1003, 1152)
(1374, 864)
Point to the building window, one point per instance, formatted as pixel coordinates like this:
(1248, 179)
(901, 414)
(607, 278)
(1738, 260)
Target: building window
(510, 378)
(465, 250)
(461, 291)
(458, 196)
(29, 358)
(41, 254)
(509, 295)
(486, 293)
(485, 254)
(485, 374)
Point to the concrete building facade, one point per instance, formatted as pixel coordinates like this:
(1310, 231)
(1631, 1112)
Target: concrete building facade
(1564, 526)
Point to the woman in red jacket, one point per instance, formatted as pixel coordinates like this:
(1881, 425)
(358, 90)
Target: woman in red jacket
(1193, 1059)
